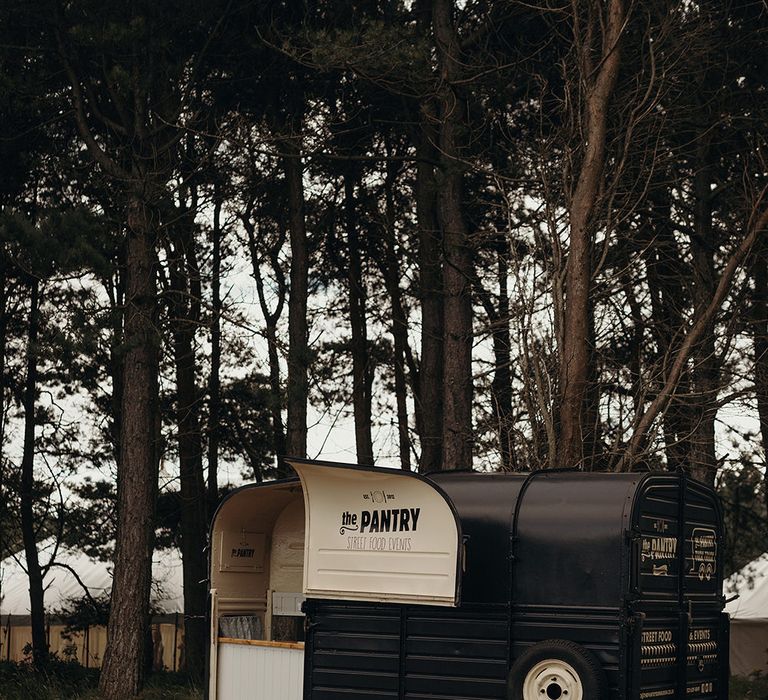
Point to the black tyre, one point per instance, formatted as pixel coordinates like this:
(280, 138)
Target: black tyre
(556, 670)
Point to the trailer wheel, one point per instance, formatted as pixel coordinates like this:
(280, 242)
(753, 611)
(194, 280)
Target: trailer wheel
(556, 670)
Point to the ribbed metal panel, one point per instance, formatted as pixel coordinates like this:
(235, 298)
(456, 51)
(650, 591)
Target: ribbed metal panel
(391, 652)
(455, 654)
(260, 673)
(355, 652)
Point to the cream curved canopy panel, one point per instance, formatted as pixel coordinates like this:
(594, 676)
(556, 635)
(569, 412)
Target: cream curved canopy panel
(378, 535)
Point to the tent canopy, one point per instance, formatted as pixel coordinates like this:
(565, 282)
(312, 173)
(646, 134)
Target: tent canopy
(61, 586)
(749, 617)
(751, 585)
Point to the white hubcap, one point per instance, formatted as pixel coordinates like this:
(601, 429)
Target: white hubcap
(552, 680)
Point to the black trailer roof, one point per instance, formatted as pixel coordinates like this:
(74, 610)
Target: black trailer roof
(571, 538)
(486, 504)
(561, 525)
(565, 537)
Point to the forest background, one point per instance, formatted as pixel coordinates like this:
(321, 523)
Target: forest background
(510, 235)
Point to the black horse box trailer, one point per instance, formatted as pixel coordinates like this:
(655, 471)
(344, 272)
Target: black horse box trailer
(378, 584)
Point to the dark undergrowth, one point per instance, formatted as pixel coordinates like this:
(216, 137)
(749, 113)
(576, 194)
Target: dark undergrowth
(70, 681)
(752, 688)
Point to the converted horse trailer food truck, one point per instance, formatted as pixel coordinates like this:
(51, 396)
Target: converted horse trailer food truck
(358, 583)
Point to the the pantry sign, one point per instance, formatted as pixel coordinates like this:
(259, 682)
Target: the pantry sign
(378, 536)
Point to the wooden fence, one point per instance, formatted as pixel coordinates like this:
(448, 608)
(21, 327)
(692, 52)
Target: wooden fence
(87, 647)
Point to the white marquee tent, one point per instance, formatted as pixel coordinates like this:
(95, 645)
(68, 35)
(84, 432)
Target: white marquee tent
(62, 586)
(749, 617)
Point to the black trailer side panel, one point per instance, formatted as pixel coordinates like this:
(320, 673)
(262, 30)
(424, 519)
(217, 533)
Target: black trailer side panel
(455, 654)
(681, 649)
(703, 546)
(601, 632)
(570, 566)
(352, 651)
(358, 651)
(707, 651)
(661, 626)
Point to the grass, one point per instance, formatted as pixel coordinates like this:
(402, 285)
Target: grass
(752, 688)
(70, 681)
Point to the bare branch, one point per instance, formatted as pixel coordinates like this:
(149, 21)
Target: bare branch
(757, 224)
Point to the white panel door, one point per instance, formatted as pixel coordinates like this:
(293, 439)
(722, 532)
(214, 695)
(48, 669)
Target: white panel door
(249, 672)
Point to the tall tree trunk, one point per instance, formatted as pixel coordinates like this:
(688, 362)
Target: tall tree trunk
(501, 385)
(28, 524)
(391, 272)
(362, 371)
(116, 291)
(271, 319)
(577, 410)
(185, 309)
(429, 395)
(457, 268)
(298, 333)
(214, 378)
(706, 365)
(122, 673)
(3, 346)
(275, 389)
(759, 319)
(428, 390)
(668, 298)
